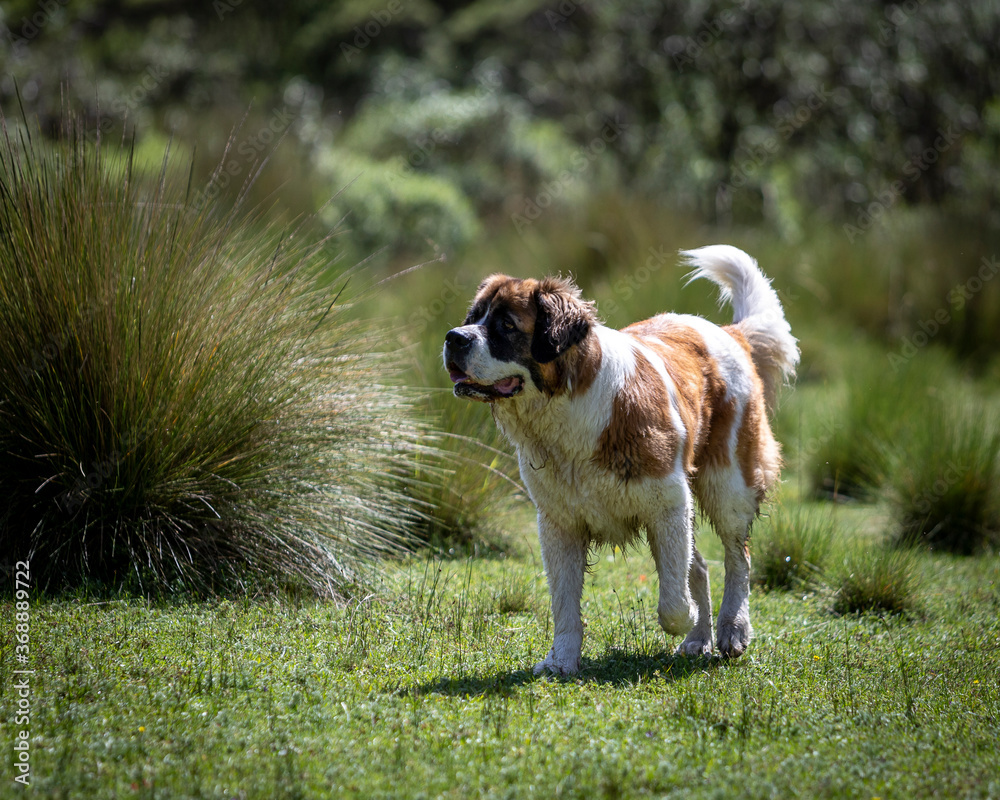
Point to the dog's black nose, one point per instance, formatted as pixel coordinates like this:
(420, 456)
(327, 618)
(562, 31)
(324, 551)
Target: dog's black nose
(457, 340)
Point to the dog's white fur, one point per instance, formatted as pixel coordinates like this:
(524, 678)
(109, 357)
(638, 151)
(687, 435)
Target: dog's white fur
(581, 501)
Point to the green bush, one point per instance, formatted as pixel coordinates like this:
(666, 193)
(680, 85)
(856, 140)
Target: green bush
(182, 400)
(792, 548)
(387, 203)
(424, 161)
(945, 485)
(878, 580)
(878, 410)
(465, 486)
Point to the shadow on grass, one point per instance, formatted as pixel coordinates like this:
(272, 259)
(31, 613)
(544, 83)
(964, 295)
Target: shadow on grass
(615, 667)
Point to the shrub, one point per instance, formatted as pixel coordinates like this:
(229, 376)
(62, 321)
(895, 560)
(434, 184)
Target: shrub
(389, 203)
(881, 401)
(946, 483)
(879, 580)
(182, 400)
(465, 485)
(427, 160)
(792, 549)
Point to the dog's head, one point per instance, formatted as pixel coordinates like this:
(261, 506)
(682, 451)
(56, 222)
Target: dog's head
(520, 337)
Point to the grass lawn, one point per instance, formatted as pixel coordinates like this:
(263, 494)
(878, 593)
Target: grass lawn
(426, 691)
(423, 688)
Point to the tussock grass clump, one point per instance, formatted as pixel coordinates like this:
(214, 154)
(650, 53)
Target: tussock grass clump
(465, 485)
(881, 402)
(946, 484)
(792, 549)
(877, 580)
(182, 400)
(853, 459)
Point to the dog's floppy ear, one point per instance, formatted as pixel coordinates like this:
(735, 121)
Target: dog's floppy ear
(563, 319)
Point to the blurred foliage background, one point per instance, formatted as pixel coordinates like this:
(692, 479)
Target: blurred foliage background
(853, 148)
(439, 117)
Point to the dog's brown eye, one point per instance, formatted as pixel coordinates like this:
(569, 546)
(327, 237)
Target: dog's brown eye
(508, 325)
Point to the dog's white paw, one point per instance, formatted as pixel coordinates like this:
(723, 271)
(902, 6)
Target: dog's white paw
(734, 638)
(556, 665)
(679, 619)
(695, 645)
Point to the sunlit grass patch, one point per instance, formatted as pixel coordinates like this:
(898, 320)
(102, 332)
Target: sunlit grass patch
(946, 484)
(429, 689)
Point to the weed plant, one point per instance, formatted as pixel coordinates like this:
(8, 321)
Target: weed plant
(792, 548)
(182, 401)
(876, 579)
(945, 483)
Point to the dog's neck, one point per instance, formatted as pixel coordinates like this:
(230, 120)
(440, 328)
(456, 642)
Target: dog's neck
(541, 429)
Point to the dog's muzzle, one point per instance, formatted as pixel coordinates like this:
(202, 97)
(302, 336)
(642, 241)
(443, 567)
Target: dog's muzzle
(459, 344)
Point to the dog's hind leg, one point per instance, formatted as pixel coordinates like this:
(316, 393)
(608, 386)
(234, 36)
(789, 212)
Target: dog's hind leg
(564, 555)
(699, 640)
(734, 629)
(731, 506)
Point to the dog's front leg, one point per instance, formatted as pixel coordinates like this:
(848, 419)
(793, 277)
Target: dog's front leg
(671, 541)
(564, 555)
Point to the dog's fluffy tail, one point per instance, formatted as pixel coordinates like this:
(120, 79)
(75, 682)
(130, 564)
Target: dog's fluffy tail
(756, 311)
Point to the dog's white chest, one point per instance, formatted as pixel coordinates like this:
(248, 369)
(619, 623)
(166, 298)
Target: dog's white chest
(589, 500)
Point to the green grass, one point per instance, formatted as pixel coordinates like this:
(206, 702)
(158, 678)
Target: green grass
(426, 691)
(466, 484)
(876, 579)
(856, 458)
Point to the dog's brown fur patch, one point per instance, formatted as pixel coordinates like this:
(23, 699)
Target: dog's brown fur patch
(639, 440)
(757, 452)
(737, 333)
(575, 371)
(586, 365)
(705, 410)
(750, 454)
(518, 296)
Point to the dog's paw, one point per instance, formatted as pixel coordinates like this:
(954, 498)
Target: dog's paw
(557, 666)
(678, 620)
(695, 645)
(734, 638)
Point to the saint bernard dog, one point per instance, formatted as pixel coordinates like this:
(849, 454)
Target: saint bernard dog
(617, 431)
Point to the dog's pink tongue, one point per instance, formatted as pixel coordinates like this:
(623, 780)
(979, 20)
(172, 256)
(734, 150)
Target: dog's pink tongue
(506, 386)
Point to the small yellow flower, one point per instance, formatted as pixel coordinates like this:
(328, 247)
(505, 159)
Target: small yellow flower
(142, 729)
